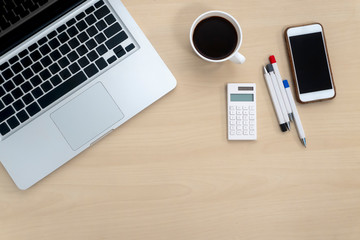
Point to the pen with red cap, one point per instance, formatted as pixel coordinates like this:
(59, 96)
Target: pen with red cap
(281, 86)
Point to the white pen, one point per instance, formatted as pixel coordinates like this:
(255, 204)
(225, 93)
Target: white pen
(270, 70)
(281, 86)
(297, 120)
(275, 102)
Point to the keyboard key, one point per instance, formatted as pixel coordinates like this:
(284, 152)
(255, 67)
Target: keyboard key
(64, 49)
(27, 73)
(32, 47)
(42, 41)
(74, 68)
(72, 31)
(55, 55)
(91, 70)
(26, 62)
(45, 74)
(101, 63)
(110, 19)
(102, 12)
(7, 74)
(90, 10)
(83, 62)
(116, 40)
(35, 56)
(99, 4)
(111, 60)
(90, 20)
(23, 53)
(81, 25)
(46, 86)
(37, 92)
(33, 109)
(130, 47)
(54, 43)
(52, 34)
(83, 37)
(45, 49)
(55, 80)
(18, 80)
(9, 85)
(37, 67)
(4, 129)
(74, 43)
(62, 89)
(13, 59)
(2, 92)
(8, 99)
(71, 22)
(111, 31)
(18, 105)
(61, 28)
(4, 66)
(101, 25)
(100, 38)
(119, 51)
(6, 113)
(17, 93)
(92, 55)
(73, 56)
(64, 62)
(80, 16)
(13, 122)
(65, 74)
(17, 67)
(46, 61)
(92, 31)
(101, 49)
(28, 98)
(81, 50)
(54, 68)
(26, 87)
(22, 116)
(91, 44)
(63, 37)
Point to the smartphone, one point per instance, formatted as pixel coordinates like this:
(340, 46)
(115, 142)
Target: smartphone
(310, 63)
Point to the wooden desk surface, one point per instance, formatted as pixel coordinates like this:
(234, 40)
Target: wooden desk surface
(170, 172)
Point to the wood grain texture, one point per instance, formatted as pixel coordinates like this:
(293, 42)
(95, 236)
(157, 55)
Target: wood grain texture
(170, 172)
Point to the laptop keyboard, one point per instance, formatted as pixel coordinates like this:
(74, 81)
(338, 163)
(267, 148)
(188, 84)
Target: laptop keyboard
(59, 62)
(12, 11)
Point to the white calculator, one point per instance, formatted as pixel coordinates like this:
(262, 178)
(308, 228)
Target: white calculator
(241, 101)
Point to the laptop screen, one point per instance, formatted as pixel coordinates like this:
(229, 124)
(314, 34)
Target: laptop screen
(19, 19)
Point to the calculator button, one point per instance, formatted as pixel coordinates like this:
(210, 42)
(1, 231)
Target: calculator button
(232, 127)
(232, 122)
(246, 112)
(252, 117)
(239, 112)
(246, 122)
(239, 132)
(232, 107)
(232, 112)
(252, 127)
(246, 107)
(232, 133)
(239, 117)
(239, 122)
(252, 132)
(239, 127)
(245, 117)
(252, 122)
(252, 107)
(238, 107)
(246, 132)
(246, 127)
(252, 112)
(232, 117)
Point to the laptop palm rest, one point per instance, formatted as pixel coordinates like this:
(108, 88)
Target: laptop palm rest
(88, 115)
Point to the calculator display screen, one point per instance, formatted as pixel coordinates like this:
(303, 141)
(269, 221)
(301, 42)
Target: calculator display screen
(242, 97)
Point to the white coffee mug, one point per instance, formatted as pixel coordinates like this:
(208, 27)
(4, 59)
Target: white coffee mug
(235, 56)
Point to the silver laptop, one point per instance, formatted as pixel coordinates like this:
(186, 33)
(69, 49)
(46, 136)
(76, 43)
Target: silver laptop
(70, 72)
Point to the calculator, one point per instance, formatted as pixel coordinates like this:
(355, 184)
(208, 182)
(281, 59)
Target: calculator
(241, 111)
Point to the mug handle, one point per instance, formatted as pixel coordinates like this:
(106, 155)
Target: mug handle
(238, 58)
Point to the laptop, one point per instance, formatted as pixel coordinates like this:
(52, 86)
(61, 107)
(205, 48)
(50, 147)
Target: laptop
(70, 72)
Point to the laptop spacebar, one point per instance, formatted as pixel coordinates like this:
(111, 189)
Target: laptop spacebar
(62, 89)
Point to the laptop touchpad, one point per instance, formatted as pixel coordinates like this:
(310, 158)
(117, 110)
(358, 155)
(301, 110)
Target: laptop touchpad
(87, 116)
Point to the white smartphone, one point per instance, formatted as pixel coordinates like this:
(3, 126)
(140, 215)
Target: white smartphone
(310, 63)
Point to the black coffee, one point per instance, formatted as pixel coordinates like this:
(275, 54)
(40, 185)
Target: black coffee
(215, 38)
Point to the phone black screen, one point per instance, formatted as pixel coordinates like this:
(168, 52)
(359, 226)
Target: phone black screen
(311, 65)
